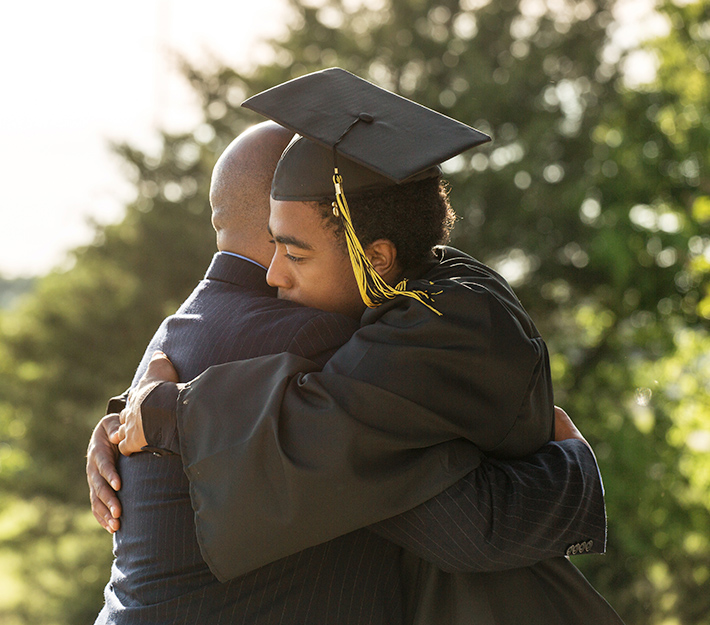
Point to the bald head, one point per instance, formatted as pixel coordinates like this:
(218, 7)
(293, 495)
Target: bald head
(240, 187)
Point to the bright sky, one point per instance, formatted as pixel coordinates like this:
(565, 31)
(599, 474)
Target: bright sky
(78, 73)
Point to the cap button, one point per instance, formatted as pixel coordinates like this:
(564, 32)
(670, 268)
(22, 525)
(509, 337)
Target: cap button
(366, 117)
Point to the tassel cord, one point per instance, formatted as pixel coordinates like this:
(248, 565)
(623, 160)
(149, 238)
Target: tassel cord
(373, 289)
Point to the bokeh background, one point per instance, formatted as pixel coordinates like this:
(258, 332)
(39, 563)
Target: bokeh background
(593, 200)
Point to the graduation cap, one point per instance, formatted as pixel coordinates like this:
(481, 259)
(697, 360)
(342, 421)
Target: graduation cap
(356, 135)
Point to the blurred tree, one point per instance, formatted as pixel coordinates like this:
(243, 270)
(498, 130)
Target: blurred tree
(12, 289)
(593, 199)
(643, 378)
(74, 344)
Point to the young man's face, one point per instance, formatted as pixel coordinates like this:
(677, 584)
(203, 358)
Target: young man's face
(310, 266)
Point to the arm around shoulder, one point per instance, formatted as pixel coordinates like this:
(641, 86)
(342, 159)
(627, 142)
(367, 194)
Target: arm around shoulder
(510, 514)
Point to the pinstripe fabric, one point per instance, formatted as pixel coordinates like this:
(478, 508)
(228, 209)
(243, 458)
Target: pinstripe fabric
(158, 575)
(506, 515)
(234, 315)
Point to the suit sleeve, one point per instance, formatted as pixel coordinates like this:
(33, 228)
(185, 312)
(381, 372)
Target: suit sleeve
(509, 514)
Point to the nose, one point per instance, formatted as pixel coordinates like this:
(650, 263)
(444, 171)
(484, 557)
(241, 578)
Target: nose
(276, 275)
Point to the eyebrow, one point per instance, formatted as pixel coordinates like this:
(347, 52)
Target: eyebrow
(287, 240)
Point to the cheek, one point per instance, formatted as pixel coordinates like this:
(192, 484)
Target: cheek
(323, 285)
(347, 276)
(344, 289)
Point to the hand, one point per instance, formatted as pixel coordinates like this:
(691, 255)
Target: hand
(130, 436)
(101, 474)
(565, 428)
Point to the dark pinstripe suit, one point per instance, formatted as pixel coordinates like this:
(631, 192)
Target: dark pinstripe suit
(159, 575)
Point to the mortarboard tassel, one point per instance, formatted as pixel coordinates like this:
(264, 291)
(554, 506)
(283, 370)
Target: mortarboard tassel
(373, 289)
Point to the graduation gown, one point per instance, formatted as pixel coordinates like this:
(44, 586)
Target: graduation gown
(281, 457)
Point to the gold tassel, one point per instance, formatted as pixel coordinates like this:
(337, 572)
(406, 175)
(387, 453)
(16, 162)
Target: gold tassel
(373, 289)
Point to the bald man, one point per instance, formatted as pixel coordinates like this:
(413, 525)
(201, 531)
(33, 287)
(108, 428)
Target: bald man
(159, 575)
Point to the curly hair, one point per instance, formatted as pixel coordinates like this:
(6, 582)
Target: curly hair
(414, 216)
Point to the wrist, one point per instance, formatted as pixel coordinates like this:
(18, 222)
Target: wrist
(159, 412)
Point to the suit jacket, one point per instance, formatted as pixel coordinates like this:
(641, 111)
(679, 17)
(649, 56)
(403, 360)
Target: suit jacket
(380, 430)
(158, 575)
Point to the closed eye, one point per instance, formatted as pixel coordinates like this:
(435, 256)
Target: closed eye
(294, 259)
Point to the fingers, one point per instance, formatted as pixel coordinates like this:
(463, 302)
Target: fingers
(158, 355)
(111, 424)
(103, 516)
(106, 467)
(565, 427)
(108, 498)
(131, 440)
(101, 475)
(105, 505)
(119, 434)
(561, 414)
(123, 444)
(115, 437)
(563, 421)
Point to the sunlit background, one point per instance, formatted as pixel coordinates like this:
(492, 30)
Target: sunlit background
(79, 74)
(593, 200)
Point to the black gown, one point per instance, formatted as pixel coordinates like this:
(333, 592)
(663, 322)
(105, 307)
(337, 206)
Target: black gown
(281, 457)
(406, 408)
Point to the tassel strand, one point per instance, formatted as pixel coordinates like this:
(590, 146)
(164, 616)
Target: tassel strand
(373, 289)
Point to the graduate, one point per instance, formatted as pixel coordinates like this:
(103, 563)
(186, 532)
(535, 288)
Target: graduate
(446, 366)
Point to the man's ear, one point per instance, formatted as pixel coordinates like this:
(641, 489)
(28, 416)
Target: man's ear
(383, 256)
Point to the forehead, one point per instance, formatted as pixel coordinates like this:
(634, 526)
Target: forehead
(299, 222)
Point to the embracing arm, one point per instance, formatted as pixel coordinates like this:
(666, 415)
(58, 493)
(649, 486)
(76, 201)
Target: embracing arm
(539, 506)
(509, 514)
(309, 475)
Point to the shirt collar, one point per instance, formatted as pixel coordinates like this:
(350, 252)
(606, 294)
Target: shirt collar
(243, 258)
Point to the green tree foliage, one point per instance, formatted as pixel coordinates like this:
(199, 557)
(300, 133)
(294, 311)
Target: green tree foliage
(593, 199)
(74, 344)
